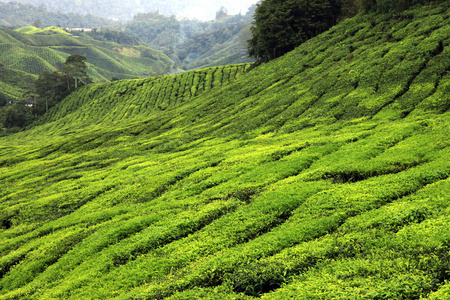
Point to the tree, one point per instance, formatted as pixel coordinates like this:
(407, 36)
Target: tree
(49, 89)
(17, 115)
(75, 70)
(37, 23)
(3, 100)
(282, 25)
(221, 13)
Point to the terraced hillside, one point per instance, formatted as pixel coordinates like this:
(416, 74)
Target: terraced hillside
(32, 50)
(15, 83)
(321, 175)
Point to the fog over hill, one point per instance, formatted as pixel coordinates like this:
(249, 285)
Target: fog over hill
(125, 9)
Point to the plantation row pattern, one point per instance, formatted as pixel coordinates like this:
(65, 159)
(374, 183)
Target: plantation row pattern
(322, 174)
(264, 213)
(34, 53)
(30, 59)
(140, 97)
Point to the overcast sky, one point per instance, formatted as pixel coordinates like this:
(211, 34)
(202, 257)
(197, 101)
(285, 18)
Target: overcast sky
(206, 9)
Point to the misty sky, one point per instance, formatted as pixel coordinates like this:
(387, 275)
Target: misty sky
(206, 9)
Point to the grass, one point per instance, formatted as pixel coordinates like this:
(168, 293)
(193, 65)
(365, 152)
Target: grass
(323, 174)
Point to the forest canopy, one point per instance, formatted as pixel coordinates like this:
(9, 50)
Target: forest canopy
(281, 26)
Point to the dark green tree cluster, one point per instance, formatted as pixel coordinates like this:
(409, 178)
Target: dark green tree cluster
(16, 115)
(74, 71)
(282, 25)
(49, 89)
(3, 99)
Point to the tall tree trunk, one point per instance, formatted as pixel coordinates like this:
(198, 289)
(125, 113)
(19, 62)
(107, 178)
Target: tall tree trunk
(68, 83)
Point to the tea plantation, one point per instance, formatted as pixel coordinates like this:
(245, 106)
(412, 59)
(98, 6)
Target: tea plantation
(324, 174)
(34, 50)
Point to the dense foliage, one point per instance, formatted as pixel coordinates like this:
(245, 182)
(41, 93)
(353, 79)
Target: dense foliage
(16, 115)
(323, 174)
(3, 99)
(49, 89)
(280, 26)
(74, 69)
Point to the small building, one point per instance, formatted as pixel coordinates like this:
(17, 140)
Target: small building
(30, 102)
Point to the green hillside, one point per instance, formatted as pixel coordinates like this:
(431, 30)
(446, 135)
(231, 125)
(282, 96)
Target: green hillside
(34, 50)
(15, 83)
(323, 174)
(39, 31)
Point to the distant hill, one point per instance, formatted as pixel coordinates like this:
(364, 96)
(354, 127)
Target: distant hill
(222, 46)
(323, 174)
(28, 51)
(22, 14)
(193, 44)
(33, 50)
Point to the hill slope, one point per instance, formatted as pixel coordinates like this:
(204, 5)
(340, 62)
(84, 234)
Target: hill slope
(15, 83)
(194, 44)
(322, 174)
(33, 50)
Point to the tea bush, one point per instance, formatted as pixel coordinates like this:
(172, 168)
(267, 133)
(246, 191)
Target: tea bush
(322, 174)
